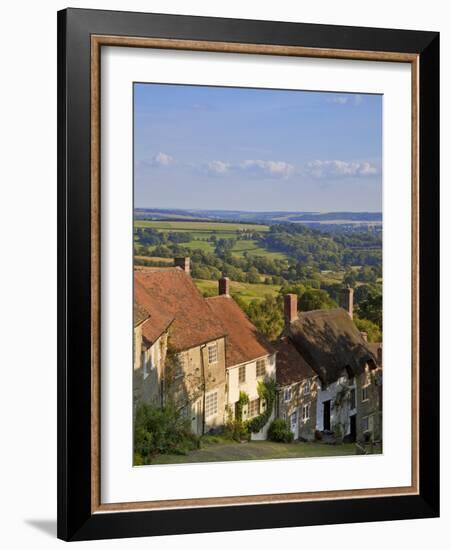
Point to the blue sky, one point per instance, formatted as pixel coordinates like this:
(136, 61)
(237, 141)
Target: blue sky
(253, 149)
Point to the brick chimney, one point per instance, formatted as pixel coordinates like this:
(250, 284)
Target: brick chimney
(347, 300)
(184, 263)
(224, 286)
(290, 308)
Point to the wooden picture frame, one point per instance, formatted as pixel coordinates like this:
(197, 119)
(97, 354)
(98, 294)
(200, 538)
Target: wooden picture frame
(81, 35)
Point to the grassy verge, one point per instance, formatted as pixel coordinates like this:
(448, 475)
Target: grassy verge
(221, 450)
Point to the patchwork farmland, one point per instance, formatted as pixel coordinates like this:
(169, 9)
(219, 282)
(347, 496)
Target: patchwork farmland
(201, 234)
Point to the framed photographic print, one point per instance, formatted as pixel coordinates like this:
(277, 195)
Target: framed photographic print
(248, 274)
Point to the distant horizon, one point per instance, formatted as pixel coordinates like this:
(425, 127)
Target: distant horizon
(256, 149)
(259, 211)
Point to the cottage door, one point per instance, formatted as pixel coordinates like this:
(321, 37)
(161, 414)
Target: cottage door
(196, 417)
(294, 424)
(326, 416)
(353, 428)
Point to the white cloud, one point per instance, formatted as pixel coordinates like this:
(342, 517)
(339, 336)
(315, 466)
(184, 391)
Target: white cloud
(356, 99)
(339, 168)
(267, 168)
(339, 99)
(162, 159)
(217, 167)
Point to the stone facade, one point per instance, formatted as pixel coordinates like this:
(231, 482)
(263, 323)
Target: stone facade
(148, 371)
(369, 406)
(195, 383)
(296, 403)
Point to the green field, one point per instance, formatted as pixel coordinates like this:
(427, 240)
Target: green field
(246, 291)
(202, 227)
(200, 233)
(256, 450)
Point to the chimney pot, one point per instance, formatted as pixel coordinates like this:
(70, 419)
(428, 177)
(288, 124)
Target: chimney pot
(184, 263)
(224, 286)
(347, 300)
(290, 303)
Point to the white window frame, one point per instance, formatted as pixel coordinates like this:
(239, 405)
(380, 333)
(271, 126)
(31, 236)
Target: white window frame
(306, 412)
(287, 394)
(250, 413)
(241, 369)
(208, 404)
(260, 361)
(365, 395)
(212, 348)
(307, 387)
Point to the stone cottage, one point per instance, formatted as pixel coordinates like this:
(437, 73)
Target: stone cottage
(250, 359)
(297, 388)
(332, 345)
(185, 344)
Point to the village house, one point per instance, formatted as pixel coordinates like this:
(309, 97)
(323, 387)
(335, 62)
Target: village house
(297, 388)
(250, 359)
(370, 411)
(182, 347)
(205, 356)
(332, 345)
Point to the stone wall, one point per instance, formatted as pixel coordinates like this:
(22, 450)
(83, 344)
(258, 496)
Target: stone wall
(304, 428)
(369, 405)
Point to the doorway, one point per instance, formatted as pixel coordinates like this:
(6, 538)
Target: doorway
(353, 428)
(196, 417)
(326, 415)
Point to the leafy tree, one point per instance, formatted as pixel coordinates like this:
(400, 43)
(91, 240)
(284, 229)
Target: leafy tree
(372, 330)
(371, 308)
(253, 275)
(266, 314)
(315, 299)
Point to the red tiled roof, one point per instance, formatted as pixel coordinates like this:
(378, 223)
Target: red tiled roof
(244, 342)
(157, 319)
(291, 367)
(139, 314)
(171, 295)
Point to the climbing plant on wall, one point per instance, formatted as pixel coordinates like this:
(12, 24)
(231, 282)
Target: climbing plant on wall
(267, 393)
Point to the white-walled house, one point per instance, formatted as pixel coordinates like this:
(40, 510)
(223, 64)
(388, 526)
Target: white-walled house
(250, 359)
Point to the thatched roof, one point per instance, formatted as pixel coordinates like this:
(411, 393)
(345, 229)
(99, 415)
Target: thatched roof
(330, 342)
(291, 367)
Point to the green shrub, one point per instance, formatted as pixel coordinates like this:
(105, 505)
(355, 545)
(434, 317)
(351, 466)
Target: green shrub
(267, 393)
(236, 430)
(161, 431)
(280, 431)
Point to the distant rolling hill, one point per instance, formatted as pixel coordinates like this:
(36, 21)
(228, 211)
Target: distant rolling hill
(270, 217)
